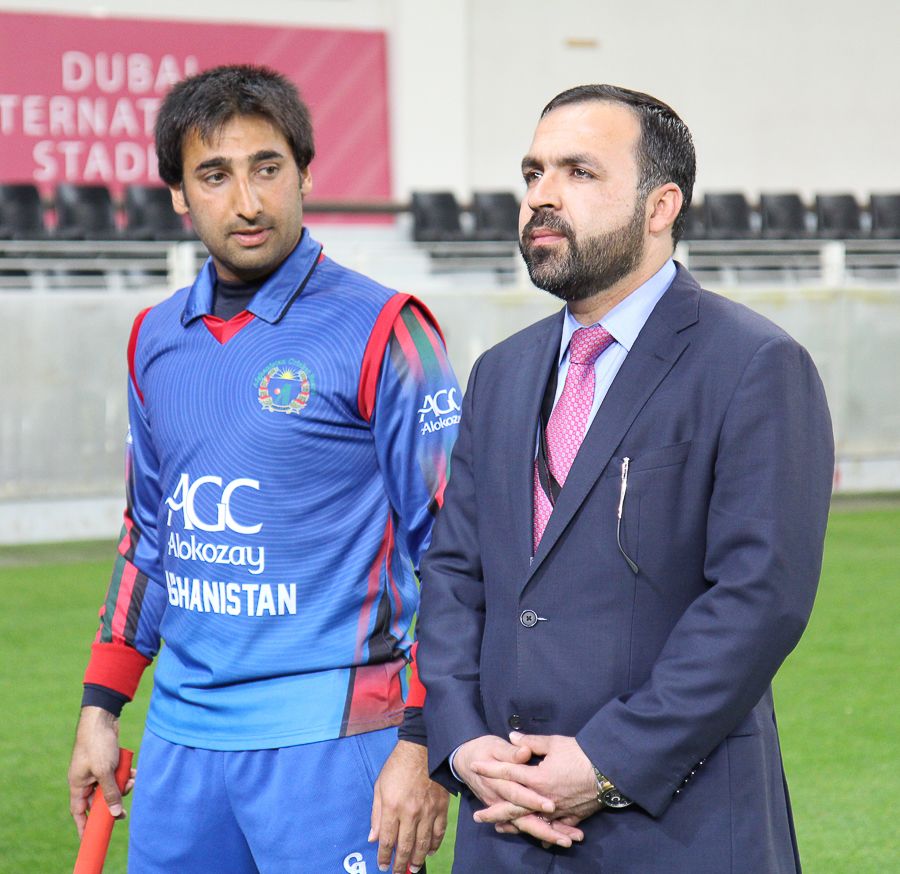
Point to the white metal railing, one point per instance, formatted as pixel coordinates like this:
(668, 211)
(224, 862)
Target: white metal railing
(114, 265)
(122, 265)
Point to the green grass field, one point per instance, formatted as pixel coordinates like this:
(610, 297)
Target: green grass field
(837, 702)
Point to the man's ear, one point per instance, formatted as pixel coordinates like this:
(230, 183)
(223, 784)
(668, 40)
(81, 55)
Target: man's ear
(664, 204)
(179, 201)
(305, 182)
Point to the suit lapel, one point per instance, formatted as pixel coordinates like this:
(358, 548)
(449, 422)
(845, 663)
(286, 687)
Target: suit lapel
(657, 348)
(529, 384)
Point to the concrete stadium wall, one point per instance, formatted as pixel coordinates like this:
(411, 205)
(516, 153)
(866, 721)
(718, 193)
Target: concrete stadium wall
(780, 94)
(63, 377)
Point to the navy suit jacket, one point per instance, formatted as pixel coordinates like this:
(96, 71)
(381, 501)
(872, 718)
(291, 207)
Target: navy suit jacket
(724, 420)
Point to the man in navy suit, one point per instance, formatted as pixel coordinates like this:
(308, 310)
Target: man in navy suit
(622, 564)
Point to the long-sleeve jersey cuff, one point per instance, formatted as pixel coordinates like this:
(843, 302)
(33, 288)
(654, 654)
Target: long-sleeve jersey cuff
(413, 727)
(107, 699)
(116, 667)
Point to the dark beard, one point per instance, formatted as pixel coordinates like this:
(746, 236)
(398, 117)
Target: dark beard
(586, 268)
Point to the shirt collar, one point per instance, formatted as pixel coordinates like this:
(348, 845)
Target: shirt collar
(275, 295)
(626, 319)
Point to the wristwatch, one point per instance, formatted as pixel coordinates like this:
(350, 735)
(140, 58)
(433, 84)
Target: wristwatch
(608, 795)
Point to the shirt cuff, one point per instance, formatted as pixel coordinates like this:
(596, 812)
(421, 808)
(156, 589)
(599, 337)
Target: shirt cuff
(100, 696)
(412, 728)
(452, 769)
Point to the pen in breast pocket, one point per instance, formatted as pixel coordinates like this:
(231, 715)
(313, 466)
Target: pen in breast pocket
(622, 489)
(625, 462)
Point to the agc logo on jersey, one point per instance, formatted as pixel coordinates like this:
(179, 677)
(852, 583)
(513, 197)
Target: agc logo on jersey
(185, 495)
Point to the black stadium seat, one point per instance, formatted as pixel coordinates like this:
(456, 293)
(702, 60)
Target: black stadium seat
(694, 223)
(149, 215)
(436, 217)
(727, 216)
(885, 212)
(21, 213)
(838, 216)
(85, 212)
(496, 215)
(783, 216)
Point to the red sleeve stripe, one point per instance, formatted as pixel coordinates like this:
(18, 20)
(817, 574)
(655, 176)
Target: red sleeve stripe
(125, 544)
(123, 601)
(374, 587)
(132, 347)
(375, 694)
(374, 354)
(378, 340)
(431, 330)
(410, 352)
(440, 464)
(415, 696)
(392, 585)
(116, 666)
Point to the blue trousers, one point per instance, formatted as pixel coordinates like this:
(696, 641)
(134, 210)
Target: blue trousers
(296, 810)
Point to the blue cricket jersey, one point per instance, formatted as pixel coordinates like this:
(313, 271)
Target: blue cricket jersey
(284, 469)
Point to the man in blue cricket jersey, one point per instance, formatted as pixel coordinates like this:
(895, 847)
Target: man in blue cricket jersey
(290, 430)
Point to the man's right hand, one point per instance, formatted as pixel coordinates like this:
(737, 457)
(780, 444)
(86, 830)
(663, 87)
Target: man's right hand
(94, 760)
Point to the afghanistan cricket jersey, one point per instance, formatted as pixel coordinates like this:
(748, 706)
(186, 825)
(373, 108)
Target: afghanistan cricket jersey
(284, 468)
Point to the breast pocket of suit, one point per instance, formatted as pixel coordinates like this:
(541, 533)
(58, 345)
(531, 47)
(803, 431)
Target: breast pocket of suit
(650, 489)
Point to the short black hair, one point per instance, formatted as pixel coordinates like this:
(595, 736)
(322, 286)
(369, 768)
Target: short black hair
(665, 150)
(205, 103)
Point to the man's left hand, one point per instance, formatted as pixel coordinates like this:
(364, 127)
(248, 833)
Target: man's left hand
(409, 810)
(565, 775)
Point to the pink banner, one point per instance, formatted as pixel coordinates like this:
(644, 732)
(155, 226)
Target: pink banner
(79, 96)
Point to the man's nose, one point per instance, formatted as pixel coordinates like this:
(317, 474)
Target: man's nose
(247, 204)
(544, 193)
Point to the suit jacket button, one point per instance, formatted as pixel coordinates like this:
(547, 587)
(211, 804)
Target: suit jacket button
(515, 722)
(528, 618)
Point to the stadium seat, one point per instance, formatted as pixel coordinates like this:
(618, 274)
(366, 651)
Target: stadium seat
(838, 216)
(783, 216)
(885, 212)
(496, 215)
(21, 213)
(436, 217)
(694, 223)
(85, 212)
(149, 215)
(727, 216)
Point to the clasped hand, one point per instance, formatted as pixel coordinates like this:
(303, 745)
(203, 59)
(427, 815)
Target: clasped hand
(546, 800)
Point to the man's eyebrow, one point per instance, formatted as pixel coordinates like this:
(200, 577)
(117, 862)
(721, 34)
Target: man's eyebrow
(211, 163)
(576, 159)
(220, 161)
(265, 155)
(584, 159)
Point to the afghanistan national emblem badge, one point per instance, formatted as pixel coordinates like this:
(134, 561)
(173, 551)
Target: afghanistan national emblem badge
(285, 386)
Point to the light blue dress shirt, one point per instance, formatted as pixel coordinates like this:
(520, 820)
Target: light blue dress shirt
(624, 321)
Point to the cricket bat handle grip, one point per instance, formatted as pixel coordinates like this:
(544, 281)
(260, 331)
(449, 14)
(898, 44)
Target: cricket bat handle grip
(97, 832)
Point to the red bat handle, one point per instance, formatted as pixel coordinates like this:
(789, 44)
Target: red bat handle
(97, 832)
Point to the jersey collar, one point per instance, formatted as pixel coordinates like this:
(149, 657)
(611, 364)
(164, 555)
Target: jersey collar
(275, 295)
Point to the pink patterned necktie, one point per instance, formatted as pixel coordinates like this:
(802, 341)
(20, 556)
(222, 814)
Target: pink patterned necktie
(568, 421)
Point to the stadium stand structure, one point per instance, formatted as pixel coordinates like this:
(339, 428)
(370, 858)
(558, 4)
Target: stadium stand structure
(838, 216)
(783, 216)
(436, 217)
(21, 213)
(884, 210)
(85, 212)
(728, 238)
(727, 216)
(695, 223)
(149, 215)
(496, 215)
